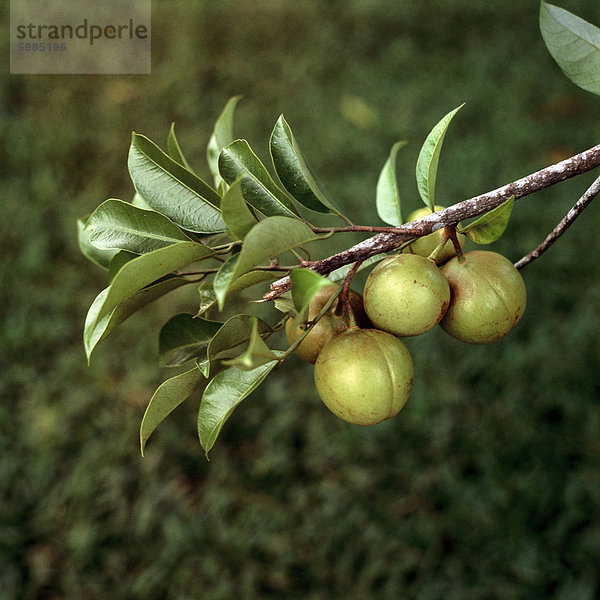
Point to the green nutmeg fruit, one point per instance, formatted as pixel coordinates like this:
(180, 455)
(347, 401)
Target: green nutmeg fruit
(406, 294)
(425, 245)
(488, 297)
(330, 325)
(364, 376)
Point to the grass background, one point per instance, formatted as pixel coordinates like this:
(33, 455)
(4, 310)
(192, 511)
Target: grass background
(486, 486)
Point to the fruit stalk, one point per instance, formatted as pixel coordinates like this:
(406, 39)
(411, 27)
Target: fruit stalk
(344, 296)
(450, 234)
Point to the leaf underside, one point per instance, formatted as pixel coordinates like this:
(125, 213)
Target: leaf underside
(387, 193)
(429, 156)
(169, 395)
(294, 172)
(490, 226)
(224, 392)
(574, 44)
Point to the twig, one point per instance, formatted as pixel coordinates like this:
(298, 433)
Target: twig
(385, 242)
(564, 224)
(271, 267)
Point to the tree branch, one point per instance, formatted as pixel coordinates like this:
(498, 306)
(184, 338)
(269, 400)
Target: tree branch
(357, 229)
(564, 224)
(385, 242)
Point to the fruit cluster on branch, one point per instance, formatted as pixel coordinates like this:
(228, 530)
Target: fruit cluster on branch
(363, 371)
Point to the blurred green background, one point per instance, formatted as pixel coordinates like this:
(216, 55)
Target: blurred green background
(486, 486)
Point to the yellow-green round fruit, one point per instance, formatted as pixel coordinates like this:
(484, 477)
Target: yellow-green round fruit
(328, 326)
(425, 245)
(488, 297)
(406, 294)
(364, 376)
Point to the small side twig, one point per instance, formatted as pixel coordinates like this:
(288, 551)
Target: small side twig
(564, 224)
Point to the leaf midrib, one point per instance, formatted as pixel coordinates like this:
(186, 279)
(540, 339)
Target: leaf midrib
(139, 233)
(253, 177)
(145, 156)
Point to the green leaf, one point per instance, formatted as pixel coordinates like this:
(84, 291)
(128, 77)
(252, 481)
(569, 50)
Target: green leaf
(96, 330)
(184, 337)
(224, 285)
(574, 44)
(235, 331)
(270, 238)
(222, 135)
(388, 193)
(118, 260)
(305, 284)
(285, 304)
(257, 353)
(235, 211)
(142, 271)
(175, 151)
(101, 258)
(172, 190)
(139, 202)
(295, 173)
(265, 241)
(169, 395)
(258, 188)
(118, 224)
(208, 297)
(223, 393)
(223, 278)
(490, 226)
(429, 156)
(250, 279)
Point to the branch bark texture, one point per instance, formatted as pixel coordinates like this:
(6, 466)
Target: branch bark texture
(386, 242)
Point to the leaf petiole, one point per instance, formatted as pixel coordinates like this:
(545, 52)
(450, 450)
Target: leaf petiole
(438, 249)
